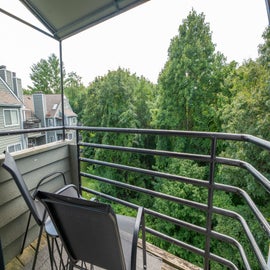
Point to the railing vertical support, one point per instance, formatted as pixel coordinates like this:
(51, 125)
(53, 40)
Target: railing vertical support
(62, 89)
(210, 204)
(78, 160)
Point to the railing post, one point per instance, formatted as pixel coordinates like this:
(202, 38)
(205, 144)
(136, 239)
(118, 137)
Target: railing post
(210, 204)
(78, 160)
(62, 90)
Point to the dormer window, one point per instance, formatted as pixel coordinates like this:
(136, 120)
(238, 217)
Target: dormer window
(54, 106)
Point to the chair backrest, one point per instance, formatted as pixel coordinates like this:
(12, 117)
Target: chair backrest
(88, 230)
(10, 165)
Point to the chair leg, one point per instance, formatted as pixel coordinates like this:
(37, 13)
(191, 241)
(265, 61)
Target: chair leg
(70, 264)
(37, 247)
(50, 248)
(144, 243)
(51, 243)
(60, 253)
(26, 232)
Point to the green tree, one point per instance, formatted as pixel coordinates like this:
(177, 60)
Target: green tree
(247, 111)
(191, 79)
(119, 99)
(189, 85)
(75, 92)
(45, 76)
(188, 97)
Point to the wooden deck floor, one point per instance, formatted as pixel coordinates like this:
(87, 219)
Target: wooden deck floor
(157, 259)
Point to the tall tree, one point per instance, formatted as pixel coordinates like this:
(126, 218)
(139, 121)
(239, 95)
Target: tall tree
(191, 78)
(119, 99)
(190, 84)
(188, 97)
(45, 76)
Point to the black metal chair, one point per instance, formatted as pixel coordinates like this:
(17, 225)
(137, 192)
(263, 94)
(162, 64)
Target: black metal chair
(92, 233)
(37, 210)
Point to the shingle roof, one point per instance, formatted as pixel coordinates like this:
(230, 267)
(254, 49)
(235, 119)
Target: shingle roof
(28, 102)
(7, 97)
(53, 105)
(53, 102)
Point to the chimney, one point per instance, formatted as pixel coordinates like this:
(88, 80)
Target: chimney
(14, 83)
(3, 72)
(40, 107)
(17, 86)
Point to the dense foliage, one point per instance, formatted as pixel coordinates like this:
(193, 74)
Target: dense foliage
(197, 90)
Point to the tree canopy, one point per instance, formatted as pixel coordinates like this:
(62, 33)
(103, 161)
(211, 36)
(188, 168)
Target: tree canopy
(191, 79)
(45, 76)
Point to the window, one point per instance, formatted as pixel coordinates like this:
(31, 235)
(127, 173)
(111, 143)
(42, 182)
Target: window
(50, 122)
(72, 121)
(69, 136)
(14, 147)
(11, 117)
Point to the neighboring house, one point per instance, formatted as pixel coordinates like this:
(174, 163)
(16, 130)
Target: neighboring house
(11, 111)
(30, 112)
(48, 109)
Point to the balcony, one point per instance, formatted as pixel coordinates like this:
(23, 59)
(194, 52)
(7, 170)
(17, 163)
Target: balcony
(81, 167)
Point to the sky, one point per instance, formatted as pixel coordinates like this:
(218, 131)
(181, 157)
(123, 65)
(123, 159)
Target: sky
(137, 40)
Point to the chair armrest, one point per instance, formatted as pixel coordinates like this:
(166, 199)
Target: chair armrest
(46, 177)
(69, 190)
(139, 223)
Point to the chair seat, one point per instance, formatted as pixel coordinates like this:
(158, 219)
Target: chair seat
(50, 229)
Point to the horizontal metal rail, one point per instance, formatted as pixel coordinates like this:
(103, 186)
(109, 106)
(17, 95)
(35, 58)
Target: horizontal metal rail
(193, 204)
(197, 182)
(25, 131)
(195, 134)
(208, 135)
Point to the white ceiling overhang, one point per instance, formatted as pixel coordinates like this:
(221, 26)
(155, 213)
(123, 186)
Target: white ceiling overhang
(65, 18)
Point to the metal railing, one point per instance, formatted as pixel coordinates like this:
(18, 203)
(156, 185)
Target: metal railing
(212, 159)
(210, 184)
